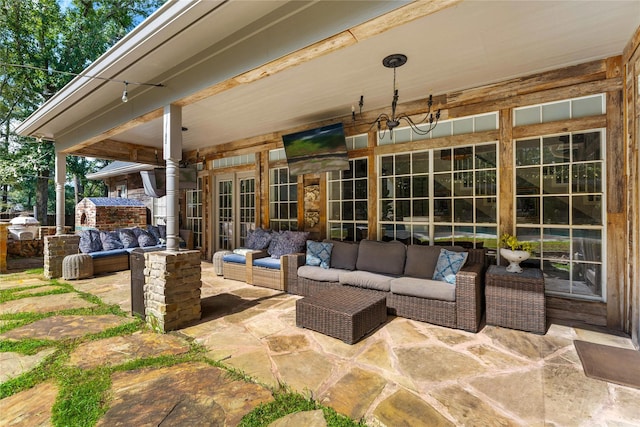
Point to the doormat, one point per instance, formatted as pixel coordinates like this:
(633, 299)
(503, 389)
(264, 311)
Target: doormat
(612, 364)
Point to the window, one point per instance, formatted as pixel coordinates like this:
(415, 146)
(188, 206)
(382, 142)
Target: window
(560, 208)
(463, 206)
(460, 126)
(160, 210)
(121, 190)
(347, 201)
(194, 213)
(283, 200)
(560, 110)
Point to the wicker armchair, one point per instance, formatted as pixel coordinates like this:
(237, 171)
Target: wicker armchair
(272, 272)
(238, 267)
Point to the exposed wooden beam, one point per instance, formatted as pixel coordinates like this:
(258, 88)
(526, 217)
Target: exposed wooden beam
(119, 129)
(115, 150)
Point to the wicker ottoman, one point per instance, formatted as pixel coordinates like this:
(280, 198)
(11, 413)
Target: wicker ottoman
(77, 266)
(217, 261)
(516, 300)
(345, 313)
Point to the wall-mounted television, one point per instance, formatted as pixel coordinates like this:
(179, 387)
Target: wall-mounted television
(322, 149)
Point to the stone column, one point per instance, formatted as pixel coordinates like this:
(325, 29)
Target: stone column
(4, 238)
(55, 249)
(172, 289)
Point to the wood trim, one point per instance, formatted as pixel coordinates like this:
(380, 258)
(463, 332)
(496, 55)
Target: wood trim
(259, 178)
(124, 151)
(445, 141)
(632, 47)
(372, 200)
(301, 224)
(323, 205)
(548, 95)
(506, 192)
(562, 126)
(576, 312)
(266, 181)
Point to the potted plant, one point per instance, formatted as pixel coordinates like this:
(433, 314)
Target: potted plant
(514, 251)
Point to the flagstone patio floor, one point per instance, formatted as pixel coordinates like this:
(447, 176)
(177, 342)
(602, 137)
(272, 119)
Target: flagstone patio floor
(404, 373)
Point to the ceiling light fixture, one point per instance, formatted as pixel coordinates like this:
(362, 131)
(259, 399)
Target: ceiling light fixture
(125, 94)
(388, 122)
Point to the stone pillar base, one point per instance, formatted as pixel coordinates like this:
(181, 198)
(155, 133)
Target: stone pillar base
(172, 289)
(55, 249)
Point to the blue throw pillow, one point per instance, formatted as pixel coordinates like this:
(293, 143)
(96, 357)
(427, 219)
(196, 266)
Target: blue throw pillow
(110, 240)
(154, 230)
(287, 242)
(258, 239)
(449, 263)
(90, 241)
(145, 238)
(319, 253)
(128, 238)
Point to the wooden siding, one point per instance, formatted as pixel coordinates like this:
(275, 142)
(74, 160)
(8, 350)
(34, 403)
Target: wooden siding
(595, 77)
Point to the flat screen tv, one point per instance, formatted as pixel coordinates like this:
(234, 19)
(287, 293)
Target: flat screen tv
(322, 149)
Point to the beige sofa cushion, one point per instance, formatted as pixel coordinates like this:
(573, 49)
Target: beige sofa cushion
(319, 274)
(423, 288)
(366, 280)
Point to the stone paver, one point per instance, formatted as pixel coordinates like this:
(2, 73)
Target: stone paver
(63, 327)
(406, 409)
(38, 290)
(14, 364)
(405, 373)
(182, 395)
(8, 282)
(29, 408)
(471, 410)
(117, 350)
(45, 304)
(437, 364)
(354, 393)
(298, 419)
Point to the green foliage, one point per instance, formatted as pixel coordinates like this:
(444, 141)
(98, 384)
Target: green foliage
(42, 35)
(510, 241)
(285, 403)
(28, 346)
(81, 399)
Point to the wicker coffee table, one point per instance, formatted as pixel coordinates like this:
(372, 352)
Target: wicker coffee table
(343, 312)
(516, 300)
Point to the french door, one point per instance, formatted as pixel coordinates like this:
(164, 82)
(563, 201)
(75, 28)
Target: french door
(235, 209)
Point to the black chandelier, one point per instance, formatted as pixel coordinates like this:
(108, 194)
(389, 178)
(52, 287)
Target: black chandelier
(387, 122)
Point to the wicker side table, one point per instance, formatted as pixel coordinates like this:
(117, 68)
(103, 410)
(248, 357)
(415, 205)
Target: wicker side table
(345, 313)
(516, 300)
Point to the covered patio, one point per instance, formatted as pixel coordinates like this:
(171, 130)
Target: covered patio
(537, 134)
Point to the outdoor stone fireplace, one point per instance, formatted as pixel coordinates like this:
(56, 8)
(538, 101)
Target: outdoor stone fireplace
(110, 213)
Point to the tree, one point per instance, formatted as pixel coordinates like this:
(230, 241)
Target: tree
(48, 41)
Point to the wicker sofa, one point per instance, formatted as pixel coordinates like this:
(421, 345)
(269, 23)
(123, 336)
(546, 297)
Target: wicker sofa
(404, 275)
(116, 256)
